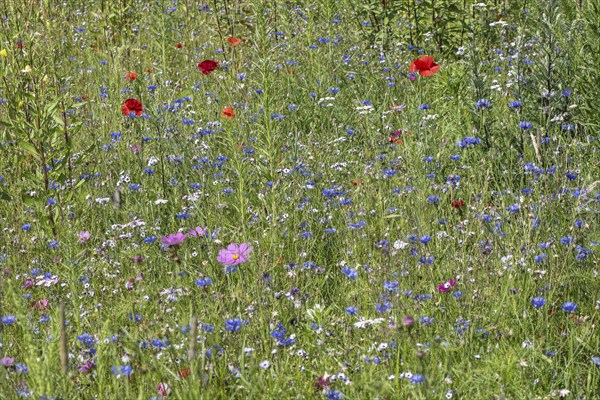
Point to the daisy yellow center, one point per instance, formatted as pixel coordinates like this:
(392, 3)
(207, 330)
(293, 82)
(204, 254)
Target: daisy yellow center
(235, 256)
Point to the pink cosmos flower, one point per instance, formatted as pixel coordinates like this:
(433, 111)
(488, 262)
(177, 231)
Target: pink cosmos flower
(84, 236)
(234, 254)
(174, 239)
(446, 286)
(7, 361)
(197, 231)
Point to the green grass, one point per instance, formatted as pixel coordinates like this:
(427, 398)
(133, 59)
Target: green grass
(337, 215)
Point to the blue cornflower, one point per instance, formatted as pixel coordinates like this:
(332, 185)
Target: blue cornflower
(568, 127)
(203, 282)
(135, 187)
(424, 107)
(21, 369)
(525, 125)
(26, 227)
(150, 239)
(513, 208)
(125, 370)
(515, 104)
(384, 306)
(483, 104)
(538, 302)
(468, 142)
(352, 310)
(351, 273)
(333, 90)
(53, 244)
(569, 306)
(417, 378)
(86, 339)
(51, 201)
(334, 394)
(426, 260)
(183, 215)
(571, 176)
(433, 199)
(9, 320)
(455, 157)
(567, 240)
(425, 239)
(233, 325)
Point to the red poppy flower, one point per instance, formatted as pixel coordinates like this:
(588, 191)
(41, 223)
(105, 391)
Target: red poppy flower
(132, 105)
(425, 66)
(19, 44)
(458, 204)
(233, 41)
(149, 70)
(228, 113)
(131, 76)
(179, 45)
(208, 66)
(184, 373)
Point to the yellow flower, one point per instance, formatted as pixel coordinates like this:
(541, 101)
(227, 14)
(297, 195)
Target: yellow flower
(3, 53)
(27, 70)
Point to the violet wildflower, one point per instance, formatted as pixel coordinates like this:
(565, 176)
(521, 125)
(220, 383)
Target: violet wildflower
(234, 254)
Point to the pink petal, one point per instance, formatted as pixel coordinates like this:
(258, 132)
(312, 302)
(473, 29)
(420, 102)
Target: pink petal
(233, 247)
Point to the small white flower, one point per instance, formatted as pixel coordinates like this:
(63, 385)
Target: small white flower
(264, 364)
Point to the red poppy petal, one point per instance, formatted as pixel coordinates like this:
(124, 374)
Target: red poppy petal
(413, 67)
(427, 61)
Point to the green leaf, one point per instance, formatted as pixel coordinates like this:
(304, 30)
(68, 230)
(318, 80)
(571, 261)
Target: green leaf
(5, 196)
(29, 148)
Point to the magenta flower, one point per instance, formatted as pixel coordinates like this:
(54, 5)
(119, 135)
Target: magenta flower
(446, 286)
(234, 254)
(164, 389)
(84, 236)
(87, 367)
(174, 238)
(7, 361)
(197, 231)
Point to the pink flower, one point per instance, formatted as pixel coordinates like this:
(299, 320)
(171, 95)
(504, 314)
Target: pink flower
(197, 231)
(174, 238)
(86, 367)
(84, 236)
(7, 361)
(234, 254)
(446, 286)
(164, 389)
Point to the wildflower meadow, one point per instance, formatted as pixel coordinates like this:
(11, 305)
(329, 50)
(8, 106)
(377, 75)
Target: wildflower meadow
(325, 199)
